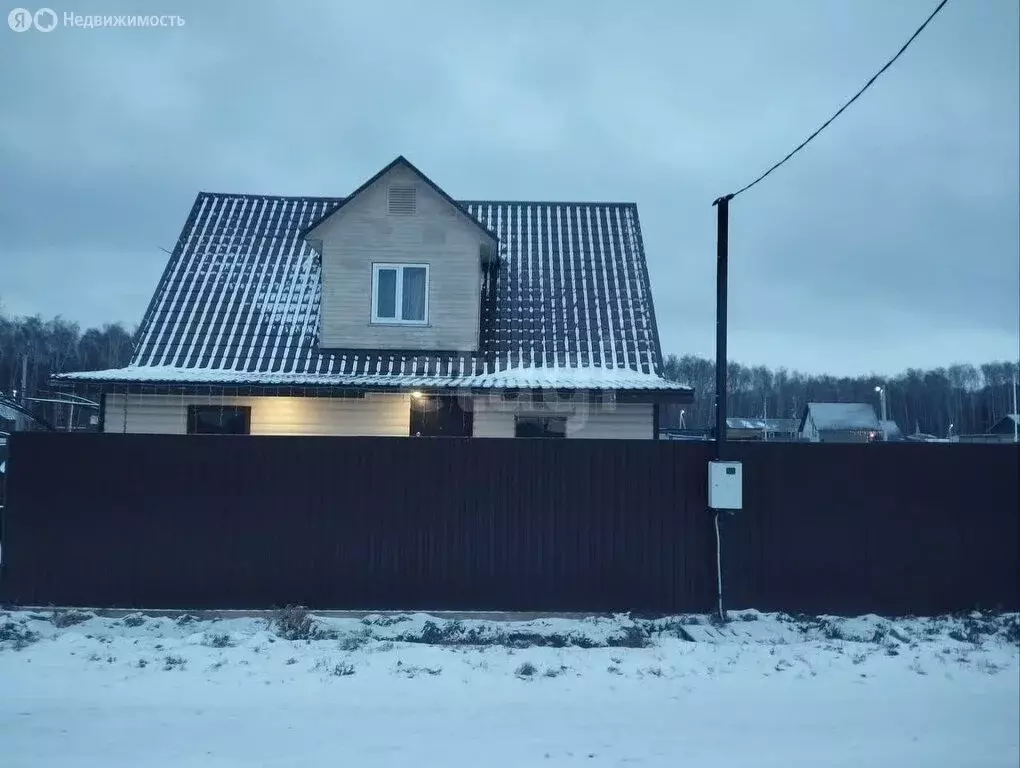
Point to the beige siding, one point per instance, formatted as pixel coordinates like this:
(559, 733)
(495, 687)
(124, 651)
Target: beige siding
(622, 421)
(379, 415)
(363, 232)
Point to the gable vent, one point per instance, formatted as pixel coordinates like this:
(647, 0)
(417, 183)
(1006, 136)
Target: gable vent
(403, 199)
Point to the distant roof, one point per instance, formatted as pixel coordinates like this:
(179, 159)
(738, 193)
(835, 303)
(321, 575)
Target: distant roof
(567, 302)
(1005, 423)
(772, 425)
(842, 416)
(891, 428)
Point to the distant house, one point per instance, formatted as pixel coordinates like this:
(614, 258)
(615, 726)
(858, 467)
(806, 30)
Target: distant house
(1000, 432)
(1006, 426)
(840, 423)
(396, 311)
(891, 430)
(739, 428)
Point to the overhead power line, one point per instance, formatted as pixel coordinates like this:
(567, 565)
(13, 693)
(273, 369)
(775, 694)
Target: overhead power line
(840, 111)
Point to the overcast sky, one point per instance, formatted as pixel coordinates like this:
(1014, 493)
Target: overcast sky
(891, 241)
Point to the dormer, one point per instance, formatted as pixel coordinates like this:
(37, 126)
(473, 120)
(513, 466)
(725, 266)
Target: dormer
(401, 266)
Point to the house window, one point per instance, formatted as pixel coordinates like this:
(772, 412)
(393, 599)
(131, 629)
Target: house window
(219, 420)
(400, 293)
(436, 416)
(540, 426)
(403, 199)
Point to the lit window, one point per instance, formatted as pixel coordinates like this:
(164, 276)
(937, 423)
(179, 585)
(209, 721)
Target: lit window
(400, 293)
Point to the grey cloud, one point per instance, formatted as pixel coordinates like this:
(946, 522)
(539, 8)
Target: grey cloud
(891, 241)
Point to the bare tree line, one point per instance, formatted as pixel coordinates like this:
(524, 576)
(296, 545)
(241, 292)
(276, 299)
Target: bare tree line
(33, 349)
(969, 397)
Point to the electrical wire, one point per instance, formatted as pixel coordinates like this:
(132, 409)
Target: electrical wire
(840, 111)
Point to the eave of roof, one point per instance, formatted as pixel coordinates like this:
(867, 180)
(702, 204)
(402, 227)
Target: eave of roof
(620, 379)
(400, 160)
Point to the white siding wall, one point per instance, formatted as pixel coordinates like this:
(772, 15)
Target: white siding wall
(810, 432)
(377, 415)
(622, 421)
(364, 232)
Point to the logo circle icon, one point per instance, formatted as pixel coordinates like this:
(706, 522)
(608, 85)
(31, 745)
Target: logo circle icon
(20, 19)
(45, 20)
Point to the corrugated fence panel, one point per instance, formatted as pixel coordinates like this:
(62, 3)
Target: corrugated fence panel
(179, 521)
(893, 528)
(361, 523)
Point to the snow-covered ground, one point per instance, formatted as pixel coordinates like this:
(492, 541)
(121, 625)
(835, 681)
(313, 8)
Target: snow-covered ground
(413, 690)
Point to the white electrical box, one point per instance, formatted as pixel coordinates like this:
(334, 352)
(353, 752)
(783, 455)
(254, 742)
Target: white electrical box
(725, 485)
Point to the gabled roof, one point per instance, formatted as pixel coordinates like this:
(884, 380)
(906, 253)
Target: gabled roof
(841, 417)
(566, 300)
(772, 425)
(1005, 423)
(891, 428)
(399, 160)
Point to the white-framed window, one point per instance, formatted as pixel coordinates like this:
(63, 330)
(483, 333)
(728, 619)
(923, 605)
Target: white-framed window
(400, 294)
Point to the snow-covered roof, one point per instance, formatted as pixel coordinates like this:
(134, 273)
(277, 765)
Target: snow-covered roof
(891, 428)
(772, 425)
(517, 378)
(1007, 423)
(843, 416)
(567, 303)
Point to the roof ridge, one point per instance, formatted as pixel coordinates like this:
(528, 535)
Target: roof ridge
(472, 201)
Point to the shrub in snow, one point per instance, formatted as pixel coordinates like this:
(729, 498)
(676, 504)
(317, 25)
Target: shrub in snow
(294, 623)
(218, 640)
(989, 667)
(527, 669)
(1011, 632)
(355, 641)
(385, 621)
(342, 669)
(411, 671)
(174, 662)
(18, 635)
(631, 636)
(65, 619)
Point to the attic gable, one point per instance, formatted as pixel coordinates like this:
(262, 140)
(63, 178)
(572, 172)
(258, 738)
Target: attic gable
(401, 199)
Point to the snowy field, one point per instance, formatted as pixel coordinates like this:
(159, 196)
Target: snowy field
(413, 690)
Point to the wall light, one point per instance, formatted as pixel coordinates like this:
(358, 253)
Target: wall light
(417, 395)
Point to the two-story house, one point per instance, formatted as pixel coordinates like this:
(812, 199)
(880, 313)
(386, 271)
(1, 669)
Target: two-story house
(396, 310)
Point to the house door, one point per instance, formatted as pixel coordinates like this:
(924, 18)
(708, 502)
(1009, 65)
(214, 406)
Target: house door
(439, 416)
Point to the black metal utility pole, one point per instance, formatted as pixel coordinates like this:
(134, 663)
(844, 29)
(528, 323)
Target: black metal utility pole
(722, 263)
(722, 255)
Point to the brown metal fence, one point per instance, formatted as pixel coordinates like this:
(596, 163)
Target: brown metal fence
(542, 525)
